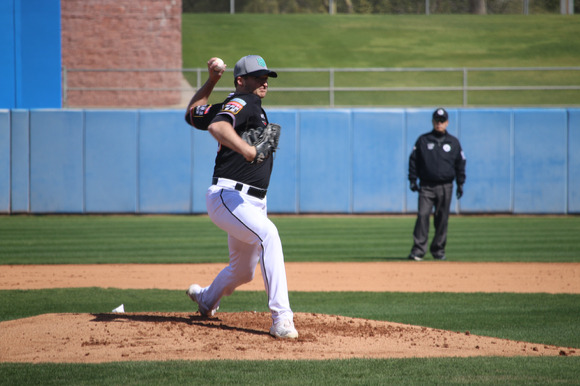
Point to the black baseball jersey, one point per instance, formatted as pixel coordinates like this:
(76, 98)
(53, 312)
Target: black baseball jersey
(437, 158)
(201, 116)
(244, 112)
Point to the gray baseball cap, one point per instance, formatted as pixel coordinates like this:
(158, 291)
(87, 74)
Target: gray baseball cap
(253, 65)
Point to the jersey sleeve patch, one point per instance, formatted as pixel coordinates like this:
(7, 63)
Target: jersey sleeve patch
(234, 106)
(201, 110)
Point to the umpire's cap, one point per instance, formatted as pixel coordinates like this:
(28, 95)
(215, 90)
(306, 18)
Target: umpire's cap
(252, 65)
(440, 115)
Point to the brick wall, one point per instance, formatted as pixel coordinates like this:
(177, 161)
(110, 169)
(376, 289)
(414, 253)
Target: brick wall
(118, 35)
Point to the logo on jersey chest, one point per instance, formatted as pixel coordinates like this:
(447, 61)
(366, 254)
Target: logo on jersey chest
(234, 106)
(446, 147)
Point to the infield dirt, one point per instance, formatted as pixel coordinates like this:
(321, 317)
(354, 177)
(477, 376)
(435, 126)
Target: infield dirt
(188, 336)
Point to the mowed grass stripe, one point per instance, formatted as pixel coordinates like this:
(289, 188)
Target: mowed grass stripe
(195, 239)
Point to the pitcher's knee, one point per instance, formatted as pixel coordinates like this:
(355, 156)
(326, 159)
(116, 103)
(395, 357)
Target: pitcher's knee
(246, 277)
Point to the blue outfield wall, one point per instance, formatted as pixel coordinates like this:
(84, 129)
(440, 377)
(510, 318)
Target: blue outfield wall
(30, 63)
(329, 161)
(573, 171)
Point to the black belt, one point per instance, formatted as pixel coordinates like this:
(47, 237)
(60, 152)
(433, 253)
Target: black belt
(254, 192)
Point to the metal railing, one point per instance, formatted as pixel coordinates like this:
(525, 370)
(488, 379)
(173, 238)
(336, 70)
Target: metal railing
(332, 88)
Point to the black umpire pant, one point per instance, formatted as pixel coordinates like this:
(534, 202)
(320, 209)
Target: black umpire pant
(431, 196)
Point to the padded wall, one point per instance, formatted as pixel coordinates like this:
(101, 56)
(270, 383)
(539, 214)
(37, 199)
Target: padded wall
(573, 152)
(486, 137)
(111, 161)
(4, 160)
(329, 161)
(540, 161)
(19, 181)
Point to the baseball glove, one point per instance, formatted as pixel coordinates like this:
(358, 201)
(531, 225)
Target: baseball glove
(264, 140)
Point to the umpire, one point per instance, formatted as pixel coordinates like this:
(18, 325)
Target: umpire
(436, 160)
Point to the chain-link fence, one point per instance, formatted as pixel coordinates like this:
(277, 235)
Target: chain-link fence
(384, 6)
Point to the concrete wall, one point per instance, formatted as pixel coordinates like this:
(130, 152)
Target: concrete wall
(329, 161)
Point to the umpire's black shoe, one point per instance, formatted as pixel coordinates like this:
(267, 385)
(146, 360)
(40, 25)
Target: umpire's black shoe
(442, 257)
(414, 257)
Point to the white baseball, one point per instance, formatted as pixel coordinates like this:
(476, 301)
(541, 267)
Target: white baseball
(219, 64)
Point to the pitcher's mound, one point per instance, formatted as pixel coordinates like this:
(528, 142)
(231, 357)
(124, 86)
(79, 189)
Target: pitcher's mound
(239, 336)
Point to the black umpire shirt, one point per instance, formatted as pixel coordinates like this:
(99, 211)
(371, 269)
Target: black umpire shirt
(437, 158)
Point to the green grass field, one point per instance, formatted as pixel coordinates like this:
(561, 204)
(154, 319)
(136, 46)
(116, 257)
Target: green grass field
(394, 41)
(322, 41)
(195, 239)
(538, 318)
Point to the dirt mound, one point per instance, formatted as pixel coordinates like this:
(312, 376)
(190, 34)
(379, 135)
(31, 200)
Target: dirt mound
(95, 338)
(187, 336)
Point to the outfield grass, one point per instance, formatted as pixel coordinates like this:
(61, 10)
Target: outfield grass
(195, 239)
(440, 371)
(394, 41)
(538, 318)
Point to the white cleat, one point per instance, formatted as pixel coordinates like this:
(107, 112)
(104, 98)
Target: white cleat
(194, 292)
(284, 329)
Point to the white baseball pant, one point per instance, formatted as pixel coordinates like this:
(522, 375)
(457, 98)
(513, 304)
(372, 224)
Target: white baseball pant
(252, 238)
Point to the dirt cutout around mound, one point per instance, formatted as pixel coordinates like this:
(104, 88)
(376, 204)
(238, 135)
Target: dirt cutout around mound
(111, 337)
(397, 276)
